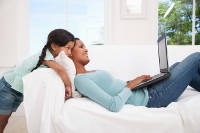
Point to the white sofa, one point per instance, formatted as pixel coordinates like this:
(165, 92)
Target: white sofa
(46, 111)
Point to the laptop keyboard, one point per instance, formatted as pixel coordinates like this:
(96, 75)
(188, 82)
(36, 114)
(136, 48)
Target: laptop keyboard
(154, 77)
(157, 76)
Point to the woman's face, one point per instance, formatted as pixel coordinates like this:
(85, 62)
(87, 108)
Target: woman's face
(80, 53)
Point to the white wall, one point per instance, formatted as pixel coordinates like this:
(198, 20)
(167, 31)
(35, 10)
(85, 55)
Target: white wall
(130, 31)
(14, 32)
(14, 46)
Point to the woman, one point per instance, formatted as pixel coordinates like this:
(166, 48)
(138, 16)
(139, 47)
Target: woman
(112, 93)
(11, 84)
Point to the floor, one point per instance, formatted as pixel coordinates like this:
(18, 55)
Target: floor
(17, 122)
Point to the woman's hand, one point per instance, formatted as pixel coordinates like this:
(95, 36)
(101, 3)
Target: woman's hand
(132, 83)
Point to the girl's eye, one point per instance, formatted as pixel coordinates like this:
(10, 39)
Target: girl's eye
(81, 46)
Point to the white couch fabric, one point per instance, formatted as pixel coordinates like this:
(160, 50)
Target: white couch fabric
(46, 111)
(69, 66)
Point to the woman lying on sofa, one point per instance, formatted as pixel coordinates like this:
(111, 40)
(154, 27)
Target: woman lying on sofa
(112, 93)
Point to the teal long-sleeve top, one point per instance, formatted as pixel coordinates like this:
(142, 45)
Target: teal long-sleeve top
(15, 75)
(101, 87)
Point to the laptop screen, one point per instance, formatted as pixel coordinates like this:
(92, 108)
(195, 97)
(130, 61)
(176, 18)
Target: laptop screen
(162, 52)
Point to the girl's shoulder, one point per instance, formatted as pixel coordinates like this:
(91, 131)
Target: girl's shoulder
(37, 55)
(33, 59)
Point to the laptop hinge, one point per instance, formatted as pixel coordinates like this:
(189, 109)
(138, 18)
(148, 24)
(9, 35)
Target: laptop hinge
(164, 70)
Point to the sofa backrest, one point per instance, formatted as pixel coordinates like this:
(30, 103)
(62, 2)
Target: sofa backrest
(129, 61)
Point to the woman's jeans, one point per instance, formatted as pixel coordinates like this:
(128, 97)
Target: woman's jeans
(183, 74)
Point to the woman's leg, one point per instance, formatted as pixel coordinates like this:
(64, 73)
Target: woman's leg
(195, 83)
(173, 66)
(3, 122)
(182, 75)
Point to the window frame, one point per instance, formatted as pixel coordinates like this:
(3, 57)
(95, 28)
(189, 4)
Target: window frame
(193, 21)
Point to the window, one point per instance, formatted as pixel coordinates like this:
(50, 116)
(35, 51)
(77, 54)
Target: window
(197, 21)
(178, 22)
(85, 19)
(45, 16)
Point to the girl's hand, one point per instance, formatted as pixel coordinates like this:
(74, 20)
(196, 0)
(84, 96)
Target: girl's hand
(62, 73)
(131, 84)
(68, 92)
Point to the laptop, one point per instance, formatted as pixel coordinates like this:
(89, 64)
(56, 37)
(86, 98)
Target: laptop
(163, 64)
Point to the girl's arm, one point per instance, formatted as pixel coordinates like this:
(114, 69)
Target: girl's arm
(90, 89)
(62, 73)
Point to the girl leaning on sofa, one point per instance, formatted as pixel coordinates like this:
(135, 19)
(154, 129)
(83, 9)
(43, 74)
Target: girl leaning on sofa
(11, 84)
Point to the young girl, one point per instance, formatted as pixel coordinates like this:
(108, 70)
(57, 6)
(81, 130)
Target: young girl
(11, 84)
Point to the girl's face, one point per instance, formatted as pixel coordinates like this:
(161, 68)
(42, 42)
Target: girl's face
(67, 48)
(80, 53)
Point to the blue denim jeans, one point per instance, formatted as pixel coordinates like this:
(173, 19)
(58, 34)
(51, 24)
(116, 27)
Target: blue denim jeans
(10, 99)
(183, 74)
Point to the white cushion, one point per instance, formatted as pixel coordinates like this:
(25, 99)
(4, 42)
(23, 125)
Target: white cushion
(68, 64)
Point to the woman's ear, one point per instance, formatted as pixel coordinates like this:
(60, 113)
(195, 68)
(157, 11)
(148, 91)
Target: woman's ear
(53, 47)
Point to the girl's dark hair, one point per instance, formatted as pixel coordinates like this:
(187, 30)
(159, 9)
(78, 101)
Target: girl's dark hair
(59, 37)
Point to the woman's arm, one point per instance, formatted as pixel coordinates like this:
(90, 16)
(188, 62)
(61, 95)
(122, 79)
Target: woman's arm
(90, 89)
(132, 83)
(62, 73)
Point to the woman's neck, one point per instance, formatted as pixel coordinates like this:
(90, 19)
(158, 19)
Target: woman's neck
(80, 68)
